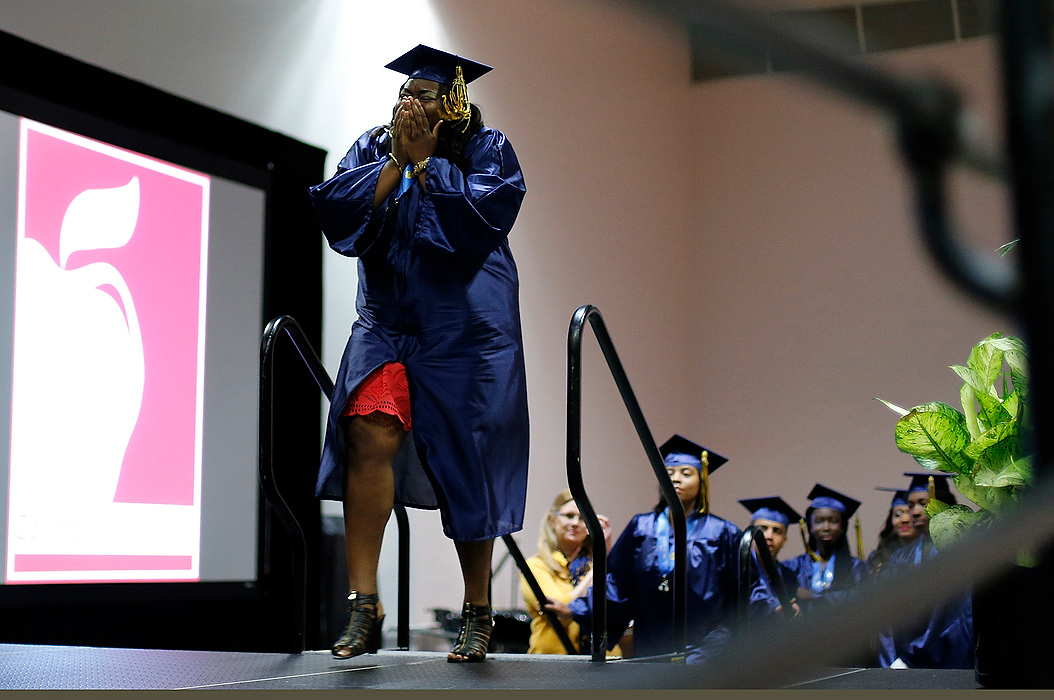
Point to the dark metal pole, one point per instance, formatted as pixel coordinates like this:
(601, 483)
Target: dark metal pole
(574, 475)
(753, 536)
(298, 594)
(539, 595)
(599, 636)
(402, 640)
(1028, 85)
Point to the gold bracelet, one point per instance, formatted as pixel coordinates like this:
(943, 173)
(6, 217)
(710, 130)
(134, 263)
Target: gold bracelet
(394, 159)
(420, 167)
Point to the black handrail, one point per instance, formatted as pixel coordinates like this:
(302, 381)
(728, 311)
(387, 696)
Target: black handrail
(753, 536)
(273, 496)
(298, 596)
(578, 490)
(539, 596)
(402, 633)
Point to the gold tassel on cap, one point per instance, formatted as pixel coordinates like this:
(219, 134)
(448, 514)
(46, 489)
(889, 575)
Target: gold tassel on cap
(455, 106)
(704, 470)
(859, 541)
(932, 489)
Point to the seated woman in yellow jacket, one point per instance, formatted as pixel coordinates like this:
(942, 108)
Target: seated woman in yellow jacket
(563, 567)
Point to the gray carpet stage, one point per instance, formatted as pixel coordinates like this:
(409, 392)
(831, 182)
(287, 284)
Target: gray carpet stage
(76, 668)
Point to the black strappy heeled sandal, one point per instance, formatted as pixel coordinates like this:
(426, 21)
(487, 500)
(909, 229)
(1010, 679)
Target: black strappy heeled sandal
(363, 635)
(473, 640)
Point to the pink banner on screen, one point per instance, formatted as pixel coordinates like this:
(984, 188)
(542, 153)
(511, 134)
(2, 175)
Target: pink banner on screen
(162, 267)
(100, 562)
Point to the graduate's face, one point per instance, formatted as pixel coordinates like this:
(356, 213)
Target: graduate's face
(775, 534)
(569, 527)
(919, 518)
(902, 523)
(687, 483)
(826, 525)
(427, 93)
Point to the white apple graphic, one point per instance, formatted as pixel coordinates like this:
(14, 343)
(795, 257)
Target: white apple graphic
(79, 367)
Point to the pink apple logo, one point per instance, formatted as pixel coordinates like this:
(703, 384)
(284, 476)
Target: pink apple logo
(108, 375)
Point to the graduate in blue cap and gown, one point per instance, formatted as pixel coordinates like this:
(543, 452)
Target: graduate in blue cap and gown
(827, 570)
(429, 407)
(898, 531)
(773, 516)
(944, 639)
(640, 565)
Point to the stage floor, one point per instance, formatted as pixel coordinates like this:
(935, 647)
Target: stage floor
(78, 668)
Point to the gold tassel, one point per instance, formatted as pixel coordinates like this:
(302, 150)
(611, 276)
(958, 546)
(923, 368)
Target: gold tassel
(455, 107)
(932, 489)
(805, 541)
(859, 541)
(704, 497)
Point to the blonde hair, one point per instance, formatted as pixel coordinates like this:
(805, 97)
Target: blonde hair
(547, 540)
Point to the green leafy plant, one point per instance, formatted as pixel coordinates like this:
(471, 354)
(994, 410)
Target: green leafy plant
(984, 445)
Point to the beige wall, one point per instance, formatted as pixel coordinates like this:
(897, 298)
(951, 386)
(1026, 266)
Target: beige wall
(748, 241)
(814, 294)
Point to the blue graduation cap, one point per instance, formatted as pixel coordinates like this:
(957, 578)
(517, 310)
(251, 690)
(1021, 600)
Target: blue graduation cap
(770, 508)
(900, 496)
(920, 481)
(432, 64)
(680, 450)
(823, 497)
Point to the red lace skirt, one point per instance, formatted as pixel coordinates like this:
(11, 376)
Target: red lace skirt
(385, 389)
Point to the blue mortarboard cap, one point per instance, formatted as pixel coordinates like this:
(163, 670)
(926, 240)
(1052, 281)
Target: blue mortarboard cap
(900, 496)
(770, 508)
(920, 481)
(432, 64)
(823, 497)
(680, 450)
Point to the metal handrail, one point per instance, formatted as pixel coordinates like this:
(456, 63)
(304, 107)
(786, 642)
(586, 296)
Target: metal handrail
(770, 569)
(539, 596)
(274, 497)
(574, 479)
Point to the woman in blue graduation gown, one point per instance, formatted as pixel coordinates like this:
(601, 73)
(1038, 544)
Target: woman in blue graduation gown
(426, 203)
(640, 566)
(827, 571)
(944, 638)
(898, 531)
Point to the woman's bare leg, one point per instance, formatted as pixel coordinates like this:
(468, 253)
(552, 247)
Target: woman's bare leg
(369, 490)
(476, 624)
(475, 569)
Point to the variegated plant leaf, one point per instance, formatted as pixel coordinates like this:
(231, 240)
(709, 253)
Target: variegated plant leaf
(986, 360)
(1015, 355)
(995, 446)
(966, 397)
(1018, 474)
(1012, 403)
(935, 434)
(952, 523)
(989, 498)
(893, 407)
(991, 412)
(972, 378)
(934, 506)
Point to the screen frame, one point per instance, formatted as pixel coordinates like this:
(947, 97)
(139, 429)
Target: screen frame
(47, 86)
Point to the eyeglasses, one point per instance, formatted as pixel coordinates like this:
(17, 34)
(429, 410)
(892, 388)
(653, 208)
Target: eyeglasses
(569, 517)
